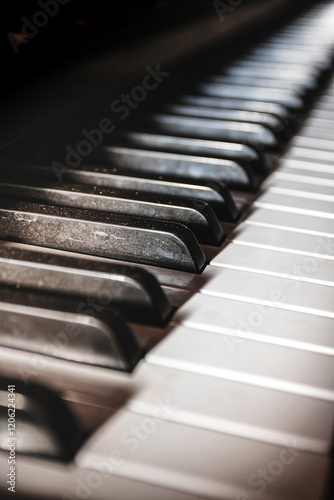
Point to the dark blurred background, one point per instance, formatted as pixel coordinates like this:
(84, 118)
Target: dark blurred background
(77, 25)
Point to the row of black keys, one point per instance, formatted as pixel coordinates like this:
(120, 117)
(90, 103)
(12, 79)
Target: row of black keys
(162, 185)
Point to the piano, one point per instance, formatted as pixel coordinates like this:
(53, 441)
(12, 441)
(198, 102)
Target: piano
(166, 252)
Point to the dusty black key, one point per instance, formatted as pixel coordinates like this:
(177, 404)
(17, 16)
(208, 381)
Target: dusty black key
(265, 119)
(49, 256)
(251, 134)
(35, 421)
(65, 327)
(246, 104)
(199, 217)
(240, 153)
(172, 166)
(286, 98)
(133, 290)
(132, 239)
(214, 193)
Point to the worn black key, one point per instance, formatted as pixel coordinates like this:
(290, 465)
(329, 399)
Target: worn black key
(44, 426)
(167, 278)
(135, 292)
(252, 134)
(240, 153)
(265, 119)
(213, 193)
(65, 327)
(199, 217)
(171, 166)
(286, 98)
(132, 239)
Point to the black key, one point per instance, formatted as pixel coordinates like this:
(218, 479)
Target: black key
(132, 239)
(240, 153)
(65, 327)
(214, 193)
(254, 81)
(265, 119)
(321, 60)
(44, 425)
(251, 134)
(286, 98)
(49, 256)
(246, 104)
(257, 65)
(133, 290)
(263, 73)
(198, 217)
(178, 167)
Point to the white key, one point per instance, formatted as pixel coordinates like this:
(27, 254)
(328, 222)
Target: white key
(306, 177)
(311, 155)
(272, 291)
(236, 408)
(317, 133)
(279, 181)
(285, 240)
(318, 226)
(316, 176)
(314, 168)
(275, 263)
(292, 203)
(313, 143)
(319, 123)
(202, 462)
(257, 363)
(240, 321)
(321, 114)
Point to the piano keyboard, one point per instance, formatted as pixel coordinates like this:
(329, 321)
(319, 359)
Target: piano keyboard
(167, 305)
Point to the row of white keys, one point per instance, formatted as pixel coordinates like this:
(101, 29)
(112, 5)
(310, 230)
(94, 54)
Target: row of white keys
(181, 411)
